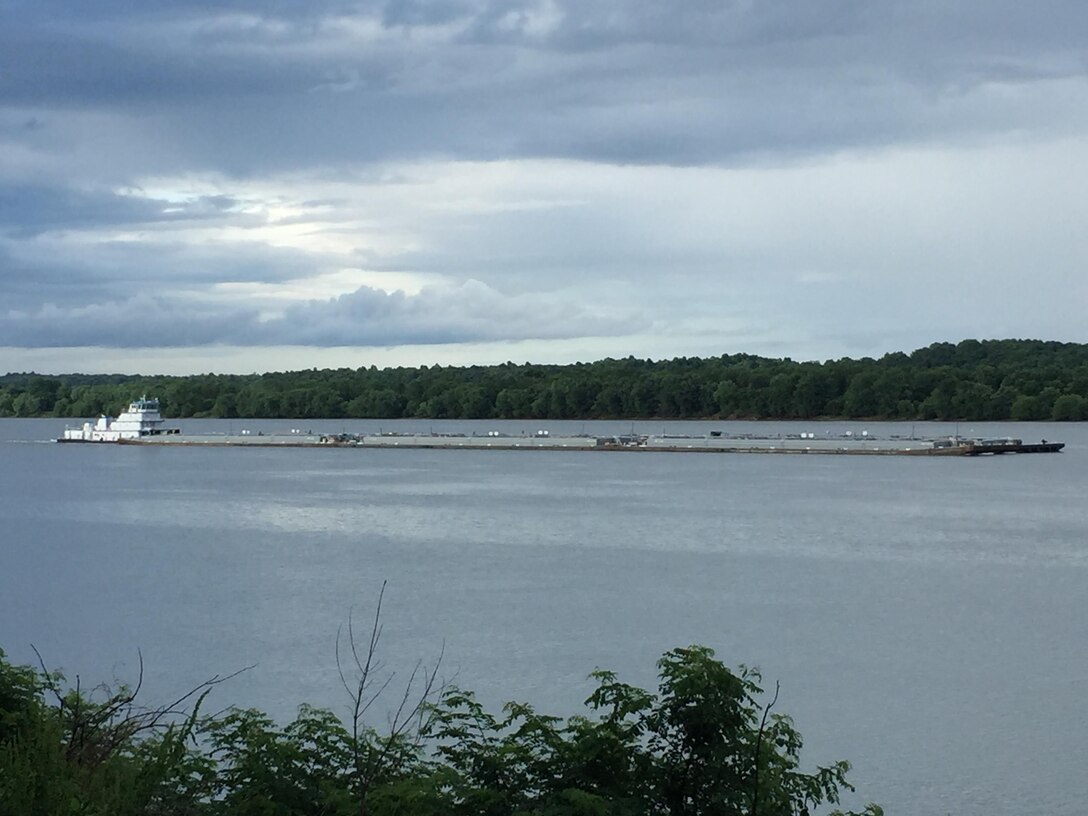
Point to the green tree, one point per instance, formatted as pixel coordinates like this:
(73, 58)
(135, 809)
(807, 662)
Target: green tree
(729, 397)
(226, 405)
(862, 398)
(66, 751)
(1070, 408)
(971, 400)
(969, 380)
(26, 405)
(1026, 409)
(262, 769)
(1000, 405)
(704, 744)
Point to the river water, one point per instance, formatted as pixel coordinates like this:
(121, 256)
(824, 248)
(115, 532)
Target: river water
(925, 616)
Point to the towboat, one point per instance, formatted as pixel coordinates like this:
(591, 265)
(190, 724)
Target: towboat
(142, 419)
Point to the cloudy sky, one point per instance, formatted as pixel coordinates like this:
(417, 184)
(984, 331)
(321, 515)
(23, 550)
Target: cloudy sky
(249, 185)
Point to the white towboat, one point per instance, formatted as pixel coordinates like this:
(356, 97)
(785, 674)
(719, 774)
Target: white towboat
(142, 419)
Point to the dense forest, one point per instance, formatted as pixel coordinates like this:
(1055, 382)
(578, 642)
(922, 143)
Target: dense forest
(706, 743)
(972, 380)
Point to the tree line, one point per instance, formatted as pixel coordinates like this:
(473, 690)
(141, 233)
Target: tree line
(1020, 380)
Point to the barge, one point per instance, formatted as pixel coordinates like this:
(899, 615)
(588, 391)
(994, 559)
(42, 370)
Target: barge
(142, 424)
(796, 444)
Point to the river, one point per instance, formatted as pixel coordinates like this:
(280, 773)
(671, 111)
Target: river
(924, 616)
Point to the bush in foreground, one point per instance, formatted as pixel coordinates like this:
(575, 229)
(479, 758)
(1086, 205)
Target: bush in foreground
(702, 744)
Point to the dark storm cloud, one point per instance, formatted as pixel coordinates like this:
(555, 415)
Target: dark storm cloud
(657, 83)
(141, 322)
(471, 312)
(410, 13)
(366, 317)
(66, 278)
(27, 210)
(58, 68)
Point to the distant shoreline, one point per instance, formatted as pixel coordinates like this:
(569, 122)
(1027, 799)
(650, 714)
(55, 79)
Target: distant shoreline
(972, 381)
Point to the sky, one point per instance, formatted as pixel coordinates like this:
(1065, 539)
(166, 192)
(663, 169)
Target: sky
(240, 186)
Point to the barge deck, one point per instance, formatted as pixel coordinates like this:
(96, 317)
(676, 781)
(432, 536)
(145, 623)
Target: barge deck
(711, 443)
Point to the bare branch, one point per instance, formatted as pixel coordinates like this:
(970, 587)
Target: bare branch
(373, 698)
(759, 745)
(48, 676)
(374, 755)
(97, 730)
(339, 663)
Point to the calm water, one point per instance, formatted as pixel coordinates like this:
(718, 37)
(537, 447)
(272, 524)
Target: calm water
(926, 617)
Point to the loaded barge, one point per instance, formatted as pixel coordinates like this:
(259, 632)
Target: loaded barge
(142, 424)
(870, 446)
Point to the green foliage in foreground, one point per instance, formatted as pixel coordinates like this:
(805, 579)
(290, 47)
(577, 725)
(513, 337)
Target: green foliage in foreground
(1021, 380)
(703, 744)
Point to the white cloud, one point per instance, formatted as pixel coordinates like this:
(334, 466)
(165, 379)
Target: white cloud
(860, 253)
